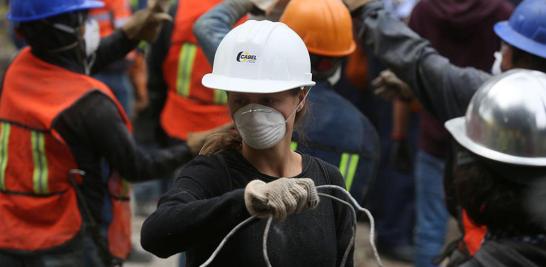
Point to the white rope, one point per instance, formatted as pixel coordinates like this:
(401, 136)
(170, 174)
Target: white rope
(270, 219)
(370, 218)
(264, 245)
(228, 236)
(353, 236)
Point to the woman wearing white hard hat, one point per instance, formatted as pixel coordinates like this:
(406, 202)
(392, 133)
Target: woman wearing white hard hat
(265, 68)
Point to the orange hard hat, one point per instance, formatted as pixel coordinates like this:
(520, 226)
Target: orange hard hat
(324, 25)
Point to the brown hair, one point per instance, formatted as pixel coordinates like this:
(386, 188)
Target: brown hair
(230, 139)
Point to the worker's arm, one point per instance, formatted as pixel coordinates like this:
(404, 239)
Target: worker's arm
(95, 124)
(444, 89)
(199, 210)
(144, 25)
(157, 86)
(211, 27)
(111, 49)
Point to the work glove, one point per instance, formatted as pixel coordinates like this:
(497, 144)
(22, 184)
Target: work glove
(389, 86)
(355, 4)
(145, 24)
(264, 5)
(281, 197)
(268, 9)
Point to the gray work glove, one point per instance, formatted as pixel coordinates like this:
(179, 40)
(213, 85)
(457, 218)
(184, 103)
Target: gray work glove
(355, 4)
(145, 24)
(281, 197)
(389, 86)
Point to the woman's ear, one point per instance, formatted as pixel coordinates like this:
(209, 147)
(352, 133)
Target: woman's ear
(302, 97)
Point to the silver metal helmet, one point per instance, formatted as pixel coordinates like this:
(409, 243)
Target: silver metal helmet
(506, 119)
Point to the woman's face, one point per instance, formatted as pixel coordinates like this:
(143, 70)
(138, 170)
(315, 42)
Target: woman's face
(285, 102)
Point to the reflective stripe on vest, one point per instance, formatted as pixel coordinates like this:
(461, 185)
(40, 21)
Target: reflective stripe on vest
(186, 61)
(294, 146)
(4, 142)
(347, 167)
(40, 174)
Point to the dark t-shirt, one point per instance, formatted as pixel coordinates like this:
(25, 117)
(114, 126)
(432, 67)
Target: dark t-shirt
(207, 201)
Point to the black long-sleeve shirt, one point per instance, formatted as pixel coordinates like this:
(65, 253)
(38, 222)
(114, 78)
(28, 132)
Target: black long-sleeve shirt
(207, 201)
(98, 137)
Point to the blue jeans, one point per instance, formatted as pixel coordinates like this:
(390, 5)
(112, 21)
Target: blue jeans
(432, 215)
(70, 254)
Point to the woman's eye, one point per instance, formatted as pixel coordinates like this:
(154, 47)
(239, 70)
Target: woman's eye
(239, 102)
(268, 101)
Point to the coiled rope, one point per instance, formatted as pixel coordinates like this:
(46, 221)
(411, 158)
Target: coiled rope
(270, 219)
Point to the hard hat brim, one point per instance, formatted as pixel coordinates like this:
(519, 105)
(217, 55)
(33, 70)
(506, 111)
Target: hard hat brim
(516, 39)
(230, 84)
(88, 4)
(339, 53)
(457, 128)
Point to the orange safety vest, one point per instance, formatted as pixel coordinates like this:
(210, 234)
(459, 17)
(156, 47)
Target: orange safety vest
(111, 16)
(190, 107)
(38, 204)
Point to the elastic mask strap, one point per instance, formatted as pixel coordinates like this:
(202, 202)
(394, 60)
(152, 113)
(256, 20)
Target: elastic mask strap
(297, 106)
(464, 158)
(69, 30)
(88, 64)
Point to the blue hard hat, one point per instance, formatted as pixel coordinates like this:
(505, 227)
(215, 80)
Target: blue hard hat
(526, 28)
(29, 10)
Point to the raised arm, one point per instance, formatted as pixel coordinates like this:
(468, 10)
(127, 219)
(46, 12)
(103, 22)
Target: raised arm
(211, 28)
(443, 88)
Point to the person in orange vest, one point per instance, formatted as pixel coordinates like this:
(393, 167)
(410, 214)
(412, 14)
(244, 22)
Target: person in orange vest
(66, 141)
(111, 16)
(176, 66)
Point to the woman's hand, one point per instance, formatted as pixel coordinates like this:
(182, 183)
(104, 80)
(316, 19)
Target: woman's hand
(281, 197)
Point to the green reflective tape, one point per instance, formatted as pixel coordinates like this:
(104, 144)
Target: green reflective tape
(220, 97)
(294, 146)
(185, 68)
(124, 189)
(343, 164)
(40, 175)
(353, 164)
(4, 141)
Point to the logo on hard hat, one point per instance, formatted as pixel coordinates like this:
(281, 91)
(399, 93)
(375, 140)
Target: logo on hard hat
(244, 56)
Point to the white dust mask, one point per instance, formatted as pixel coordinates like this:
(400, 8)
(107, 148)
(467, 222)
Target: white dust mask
(91, 37)
(261, 127)
(496, 68)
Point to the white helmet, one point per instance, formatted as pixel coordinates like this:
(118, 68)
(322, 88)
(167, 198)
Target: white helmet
(260, 57)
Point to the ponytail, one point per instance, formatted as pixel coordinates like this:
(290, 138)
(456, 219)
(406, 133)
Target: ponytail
(229, 139)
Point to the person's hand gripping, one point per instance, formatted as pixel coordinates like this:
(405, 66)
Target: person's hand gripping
(281, 197)
(146, 24)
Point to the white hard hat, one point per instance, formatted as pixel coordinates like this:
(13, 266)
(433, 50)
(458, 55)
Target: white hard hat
(260, 57)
